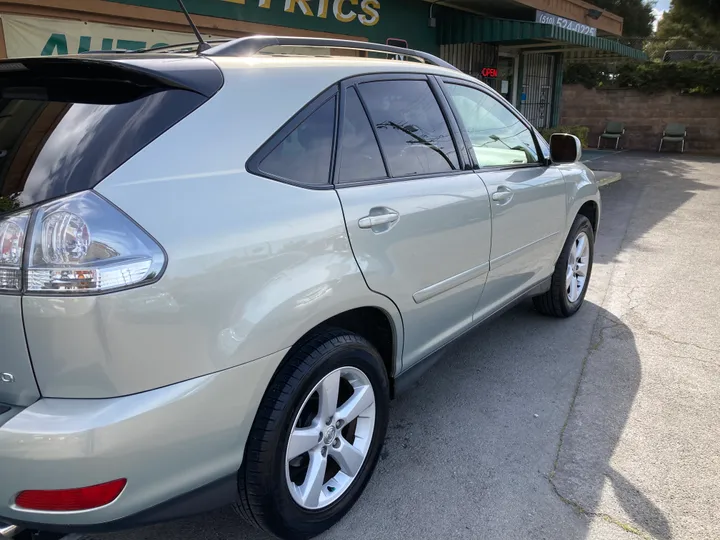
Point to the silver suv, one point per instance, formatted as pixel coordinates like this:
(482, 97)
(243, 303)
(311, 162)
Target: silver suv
(217, 268)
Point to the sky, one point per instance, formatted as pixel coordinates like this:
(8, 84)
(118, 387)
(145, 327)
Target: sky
(660, 7)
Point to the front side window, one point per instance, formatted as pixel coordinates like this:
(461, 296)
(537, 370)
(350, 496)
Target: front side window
(498, 137)
(410, 125)
(304, 155)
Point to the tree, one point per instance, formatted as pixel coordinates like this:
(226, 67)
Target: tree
(638, 17)
(709, 9)
(684, 27)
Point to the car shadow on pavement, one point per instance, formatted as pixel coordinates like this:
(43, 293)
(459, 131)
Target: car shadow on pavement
(475, 451)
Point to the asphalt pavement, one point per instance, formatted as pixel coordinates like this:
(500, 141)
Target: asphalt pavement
(602, 426)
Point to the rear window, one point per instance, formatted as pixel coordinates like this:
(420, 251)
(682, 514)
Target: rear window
(55, 143)
(304, 156)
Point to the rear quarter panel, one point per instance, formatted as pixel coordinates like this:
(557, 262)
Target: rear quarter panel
(253, 264)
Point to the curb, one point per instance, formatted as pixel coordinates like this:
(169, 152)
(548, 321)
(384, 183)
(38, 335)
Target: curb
(604, 154)
(605, 178)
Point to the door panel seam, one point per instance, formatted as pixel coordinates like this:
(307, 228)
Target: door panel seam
(504, 259)
(445, 285)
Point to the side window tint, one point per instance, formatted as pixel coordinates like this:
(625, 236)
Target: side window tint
(304, 155)
(360, 157)
(498, 136)
(412, 130)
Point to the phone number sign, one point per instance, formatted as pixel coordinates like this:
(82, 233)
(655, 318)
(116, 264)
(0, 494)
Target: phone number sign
(574, 26)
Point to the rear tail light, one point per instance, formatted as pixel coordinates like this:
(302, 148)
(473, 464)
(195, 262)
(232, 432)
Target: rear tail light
(12, 240)
(77, 245)
(71, 500)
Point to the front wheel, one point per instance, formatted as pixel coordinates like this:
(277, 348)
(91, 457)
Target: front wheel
(316, 438)
(572, 272)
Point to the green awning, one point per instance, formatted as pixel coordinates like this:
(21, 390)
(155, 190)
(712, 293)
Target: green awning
(467, 28)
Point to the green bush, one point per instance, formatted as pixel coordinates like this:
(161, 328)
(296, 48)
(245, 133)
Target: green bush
(589, 75)
(688, 77)
(581, 132)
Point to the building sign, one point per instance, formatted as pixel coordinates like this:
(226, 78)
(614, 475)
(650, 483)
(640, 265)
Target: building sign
(33, 36)
(574, 26)
(365, 20)
(366, 12)
(489, 72)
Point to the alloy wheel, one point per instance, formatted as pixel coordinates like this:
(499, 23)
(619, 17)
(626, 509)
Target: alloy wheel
(330, 438)
(577, 267)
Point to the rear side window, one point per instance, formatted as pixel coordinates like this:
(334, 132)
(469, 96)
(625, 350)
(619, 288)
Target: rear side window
(410, 125)
(52, 145)
(360, 157)
(305, 154)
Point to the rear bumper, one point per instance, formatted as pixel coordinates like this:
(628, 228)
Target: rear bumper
(205, 498)
(175, 446)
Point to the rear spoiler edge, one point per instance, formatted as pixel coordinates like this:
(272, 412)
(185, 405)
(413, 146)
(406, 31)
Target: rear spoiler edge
(193, 73)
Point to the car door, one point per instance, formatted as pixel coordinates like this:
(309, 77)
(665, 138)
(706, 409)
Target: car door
(528, 198)
(418, 222)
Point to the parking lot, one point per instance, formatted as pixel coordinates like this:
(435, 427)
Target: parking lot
(602, 426)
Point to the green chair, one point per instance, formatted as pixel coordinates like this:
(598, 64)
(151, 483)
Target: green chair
(675, 133)
(613, 130)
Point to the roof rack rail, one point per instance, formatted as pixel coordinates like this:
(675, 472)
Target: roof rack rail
(187, 44)
(249, 46)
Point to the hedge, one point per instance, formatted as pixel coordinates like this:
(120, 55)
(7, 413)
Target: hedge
(650, 77)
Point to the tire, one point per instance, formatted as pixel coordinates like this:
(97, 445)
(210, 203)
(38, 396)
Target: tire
(558, 301)
(268, 497)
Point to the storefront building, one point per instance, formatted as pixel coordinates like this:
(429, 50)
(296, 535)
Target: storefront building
(517, 46)
(522, 56)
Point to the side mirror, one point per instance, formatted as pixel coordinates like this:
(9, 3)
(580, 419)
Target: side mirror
(565, 148)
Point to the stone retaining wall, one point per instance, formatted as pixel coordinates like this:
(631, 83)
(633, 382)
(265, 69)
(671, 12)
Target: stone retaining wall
(644, 116)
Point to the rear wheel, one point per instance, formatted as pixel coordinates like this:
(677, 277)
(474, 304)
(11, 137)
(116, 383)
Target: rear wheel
(316, 438)
(572, 272)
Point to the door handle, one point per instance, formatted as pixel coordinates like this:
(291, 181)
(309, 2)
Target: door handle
(503, 195)
(377, 218)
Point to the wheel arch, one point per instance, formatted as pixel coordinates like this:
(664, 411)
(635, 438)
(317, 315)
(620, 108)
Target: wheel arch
(377, 325)
(591, 210)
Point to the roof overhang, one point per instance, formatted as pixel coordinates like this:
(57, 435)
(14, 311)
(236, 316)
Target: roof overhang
(533, 37)
(575, 10)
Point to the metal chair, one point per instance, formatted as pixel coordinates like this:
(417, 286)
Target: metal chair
(613, 130)
(674, 133)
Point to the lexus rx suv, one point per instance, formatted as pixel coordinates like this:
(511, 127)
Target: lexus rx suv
(217, 268)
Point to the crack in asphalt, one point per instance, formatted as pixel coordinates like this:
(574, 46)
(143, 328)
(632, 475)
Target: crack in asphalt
(595, 344)
(680, 357)
(592, 348)
(659, 334)
(642, 325)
